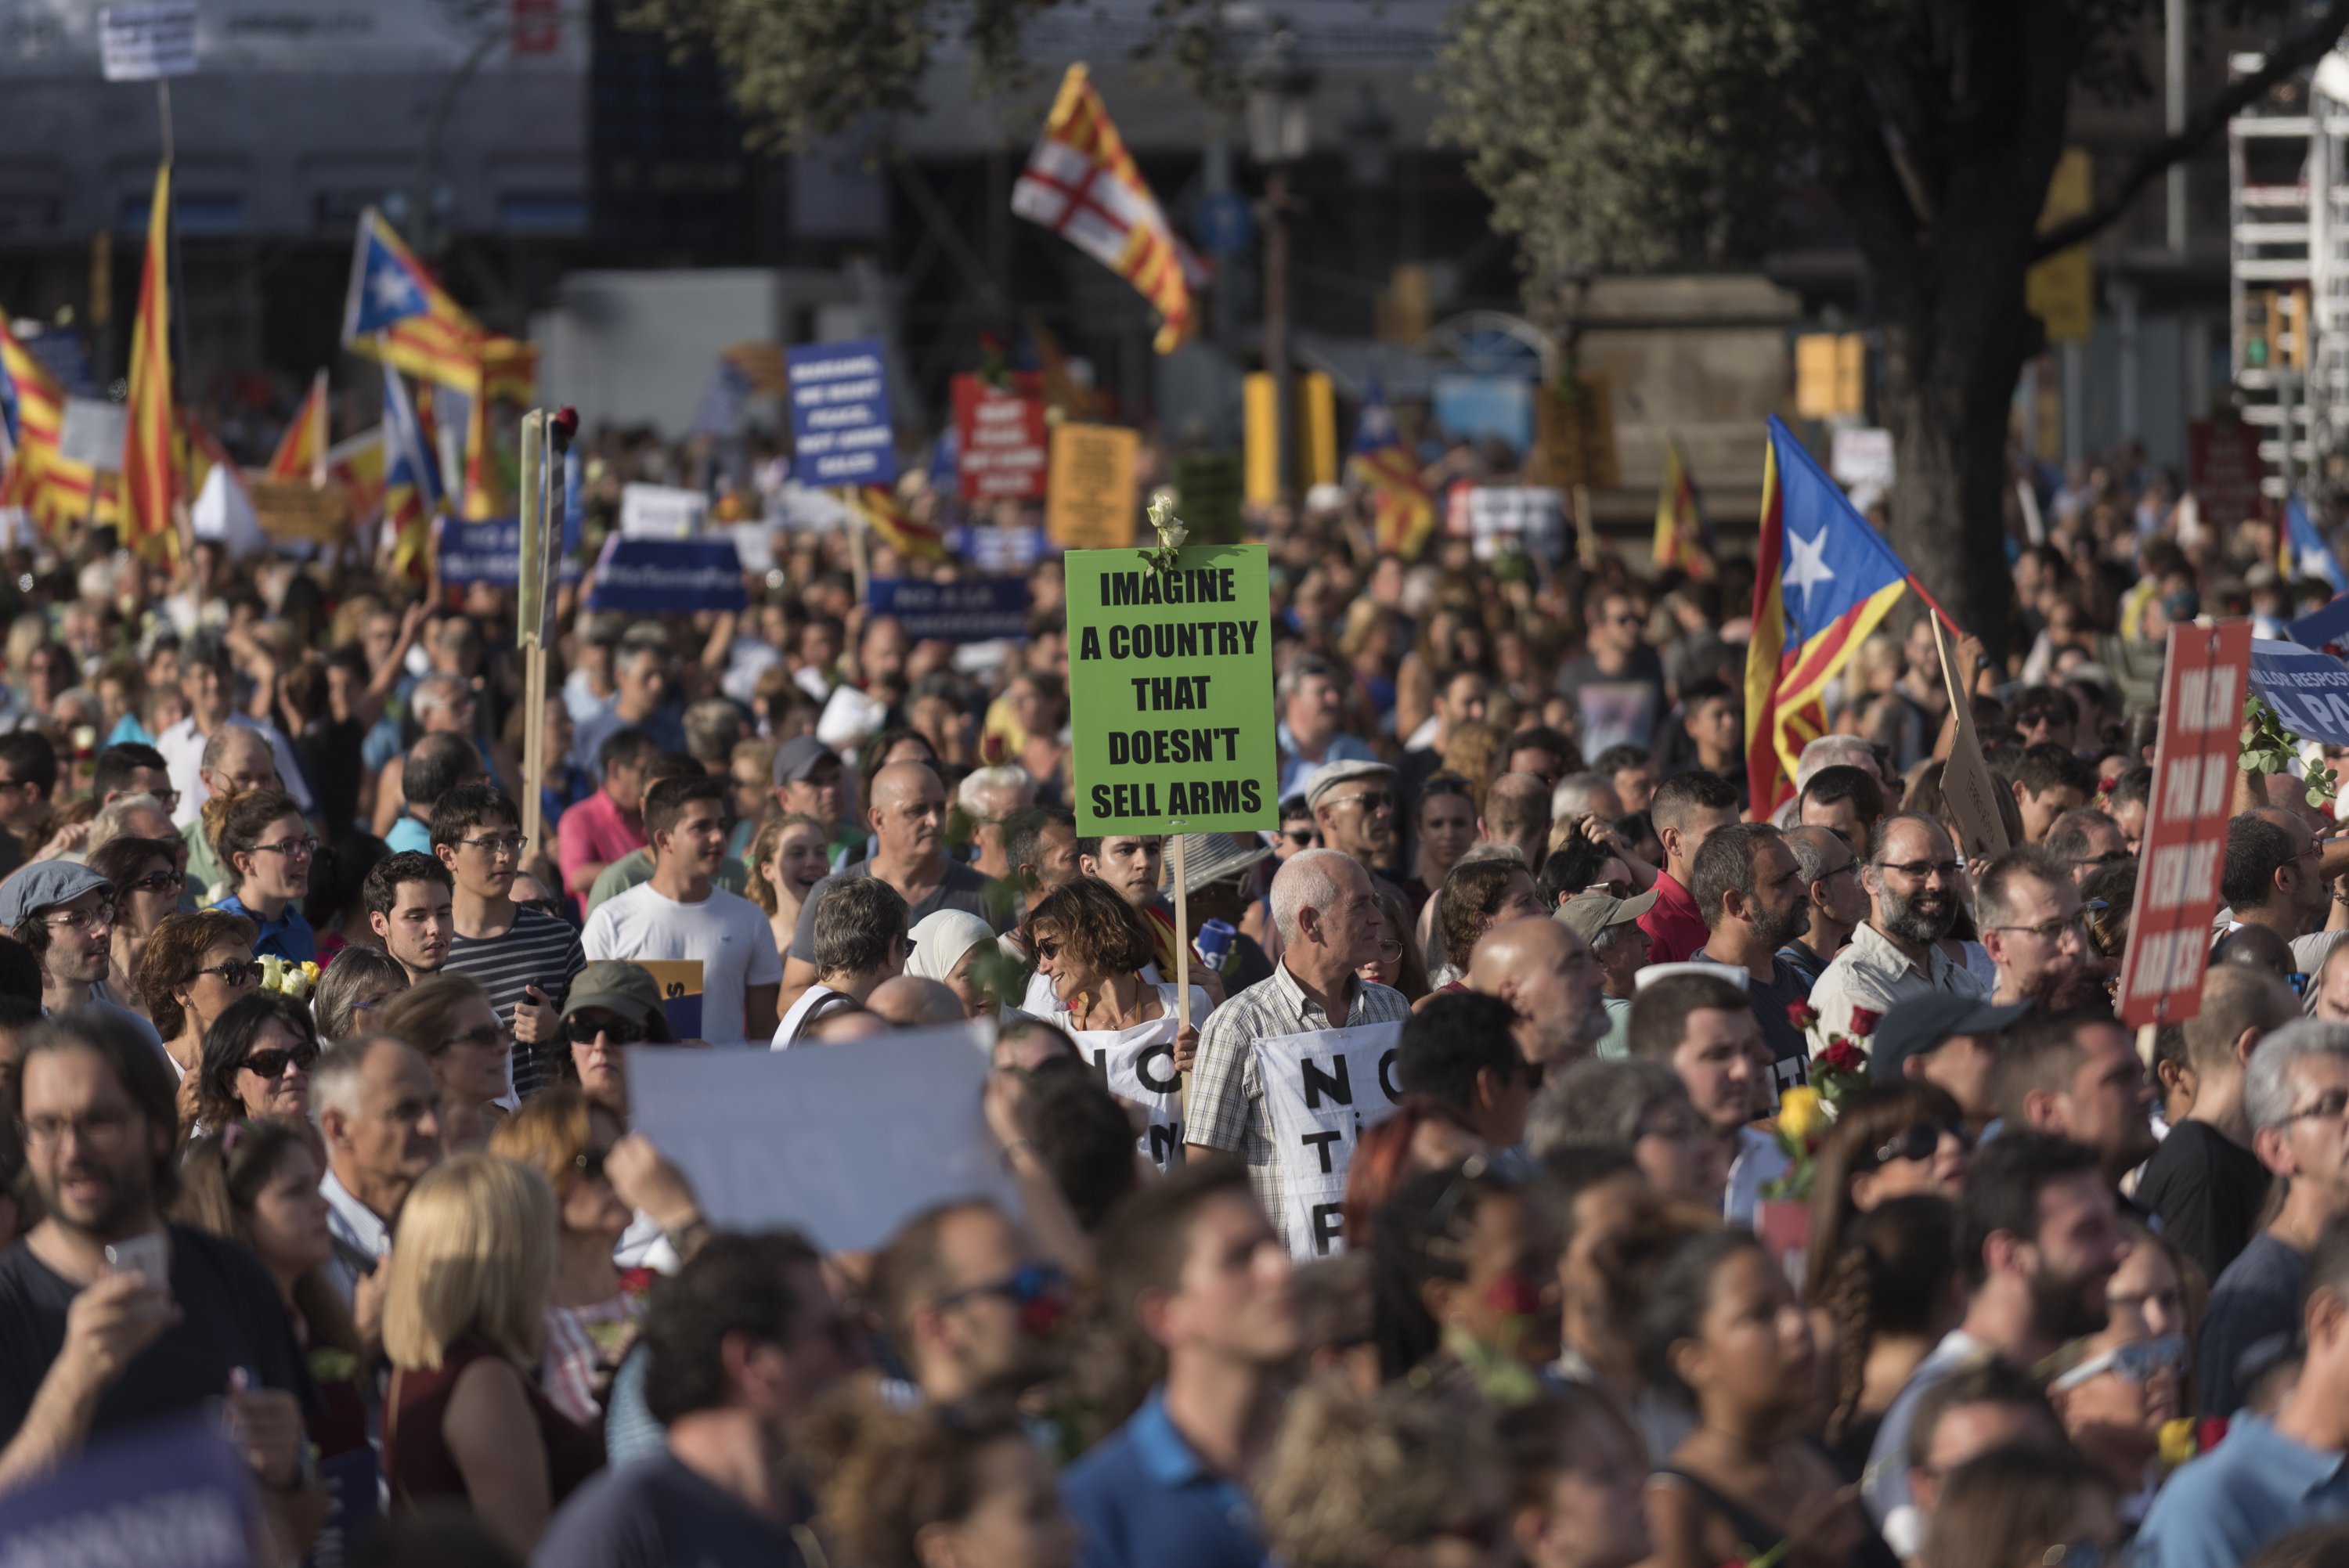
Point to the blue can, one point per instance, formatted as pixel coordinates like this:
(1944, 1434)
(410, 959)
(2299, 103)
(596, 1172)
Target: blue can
(1216, 942)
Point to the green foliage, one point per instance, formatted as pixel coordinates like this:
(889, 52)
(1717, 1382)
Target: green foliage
(2273, 748)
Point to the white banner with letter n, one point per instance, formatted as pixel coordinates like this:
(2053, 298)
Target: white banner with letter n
(1137, 1066)
(1320, 1090)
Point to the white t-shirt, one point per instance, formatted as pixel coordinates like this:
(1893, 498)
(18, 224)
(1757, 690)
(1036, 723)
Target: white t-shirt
(725, 931)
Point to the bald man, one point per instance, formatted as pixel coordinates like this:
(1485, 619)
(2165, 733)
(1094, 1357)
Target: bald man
(911, 1001)
(907, 816)
(1552, 978)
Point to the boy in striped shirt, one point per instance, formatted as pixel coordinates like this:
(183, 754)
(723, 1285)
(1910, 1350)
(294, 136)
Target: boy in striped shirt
(524, 957)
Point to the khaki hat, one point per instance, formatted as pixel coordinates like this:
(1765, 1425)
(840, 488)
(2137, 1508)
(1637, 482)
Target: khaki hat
(1588, 914)
(616, 986)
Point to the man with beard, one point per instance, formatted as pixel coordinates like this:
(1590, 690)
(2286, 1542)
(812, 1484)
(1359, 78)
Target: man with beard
(2272, 877)
(1546, 970)
(1912, 879)
(962, 1298)
(1699, 1025)
(176, 1323)
(65, 914)
(2033, 929)
(2039, 1237)
(2077, 1075)
(1749, 886)
(2296, 1097)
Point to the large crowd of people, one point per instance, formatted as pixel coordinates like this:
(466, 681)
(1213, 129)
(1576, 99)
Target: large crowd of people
(321, 1120)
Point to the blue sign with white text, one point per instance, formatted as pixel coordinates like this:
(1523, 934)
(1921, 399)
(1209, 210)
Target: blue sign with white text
(489, 552)
(2308, 690)
(2326, 628)
(175, 1494)
(840, 413)
(976, 611)
(667, 576)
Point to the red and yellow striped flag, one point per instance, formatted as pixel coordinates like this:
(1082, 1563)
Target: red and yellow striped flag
(302, 451)
(897, 527)
(1683, 537)
(55, 491)
(1081, 183)
(151, 472)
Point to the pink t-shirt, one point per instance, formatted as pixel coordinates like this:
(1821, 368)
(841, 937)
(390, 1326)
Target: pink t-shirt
(595, 832)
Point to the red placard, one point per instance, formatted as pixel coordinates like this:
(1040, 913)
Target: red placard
(2224, 469)
(2185, 844)
(999, 441)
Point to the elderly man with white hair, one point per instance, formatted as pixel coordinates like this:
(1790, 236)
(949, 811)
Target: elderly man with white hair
(989, 797)
(1833, 751)
(1329, 923)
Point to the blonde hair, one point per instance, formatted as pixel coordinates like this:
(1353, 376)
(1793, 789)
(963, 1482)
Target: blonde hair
(762, 850)
(1478, 753)
(1348, 1476)
(548, 1134)
(473, 1258)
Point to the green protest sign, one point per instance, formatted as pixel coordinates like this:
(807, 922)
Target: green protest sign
(1170, 691)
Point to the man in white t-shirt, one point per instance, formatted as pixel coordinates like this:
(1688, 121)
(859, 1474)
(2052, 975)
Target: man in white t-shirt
(681, 913)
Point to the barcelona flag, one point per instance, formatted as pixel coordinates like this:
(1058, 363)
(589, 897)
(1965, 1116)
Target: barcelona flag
(1683, 534)
(2304, 553)
(1400, 504)
(1824, 579)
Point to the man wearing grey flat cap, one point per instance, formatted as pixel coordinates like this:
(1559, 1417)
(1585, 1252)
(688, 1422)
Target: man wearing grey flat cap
(65, 914)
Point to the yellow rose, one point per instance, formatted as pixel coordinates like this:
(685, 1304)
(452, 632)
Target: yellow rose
(1801, 1116)
(2178, 1444)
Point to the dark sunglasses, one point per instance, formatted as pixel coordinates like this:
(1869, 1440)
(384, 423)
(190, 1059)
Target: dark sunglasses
(620, 1031)
(1917, 1142)
(1027, 1284)
(589, 1163)
(2041, 716)
(1303, 840)
(273, 1063)
(165, 880)
(234, 972)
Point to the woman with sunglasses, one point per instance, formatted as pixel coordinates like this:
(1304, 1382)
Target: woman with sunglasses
(1092, 946)
(1887, 1143)
(146, 888)
(267, 849)
(2116, 1390)
(258, 1062)
(611, 1005)
(449, 1020)
(592, 1317)
(194, 967)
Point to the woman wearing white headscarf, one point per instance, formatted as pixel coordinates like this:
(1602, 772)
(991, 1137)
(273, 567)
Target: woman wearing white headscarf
(948, 947)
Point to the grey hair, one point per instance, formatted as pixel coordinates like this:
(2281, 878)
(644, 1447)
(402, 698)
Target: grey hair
(217, 743)
(1835, 752)
(106, 825)
(353, 971)
(1609, 936)
(435, 691)
(1598, 1101)
(334, 1081)
(857, 921)
(982, 782)
(1300, 669)
(1810, 853)
(2267, 1080)
(1308, 879)
(1571, 800)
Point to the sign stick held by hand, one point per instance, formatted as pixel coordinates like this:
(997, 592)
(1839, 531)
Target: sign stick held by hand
(1181, 963)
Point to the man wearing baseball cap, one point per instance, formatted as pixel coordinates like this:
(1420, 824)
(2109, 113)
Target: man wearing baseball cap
(65, 914)
(1951, 1042)
(1611, 925)
(808, 775)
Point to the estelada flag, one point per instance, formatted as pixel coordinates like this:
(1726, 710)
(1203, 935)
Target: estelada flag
(300, 451)
(899, 529)
(1081, 183)
(152, 474)
(1684, 535)
(1401, 507)
(396, 311)
(1824, 579)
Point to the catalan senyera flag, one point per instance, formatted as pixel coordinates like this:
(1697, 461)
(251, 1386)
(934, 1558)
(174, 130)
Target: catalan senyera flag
(899, 529)
(1824, 579)
(1402, 511)
(152, 471)
(1683, 534)
(2302, 553)
(302, 451)
(1081, 183)
(38, 477)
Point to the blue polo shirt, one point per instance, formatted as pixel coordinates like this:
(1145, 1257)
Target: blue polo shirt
(287, 937)
(1143, 1499)
(2256, 1485)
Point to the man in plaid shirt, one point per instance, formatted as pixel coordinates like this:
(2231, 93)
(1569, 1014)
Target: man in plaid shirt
(1329, 922)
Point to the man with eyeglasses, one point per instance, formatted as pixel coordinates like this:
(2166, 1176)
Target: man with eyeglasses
(2274, 876)
(525, 958)
(1914, 882)
(1828, 869)
(2083, 839)
(237, 757)
(2296, 1098)
(1950, 1042)
(2034, 931)
(1353, 806)
(65, 914)
(130, 769)
(1616, 683)
(206, 672)
(964, 1299)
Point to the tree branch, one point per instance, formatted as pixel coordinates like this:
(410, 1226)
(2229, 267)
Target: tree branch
(2296, 54)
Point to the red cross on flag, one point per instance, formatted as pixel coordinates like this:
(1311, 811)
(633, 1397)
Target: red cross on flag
(2185, 839)
(1081, 183)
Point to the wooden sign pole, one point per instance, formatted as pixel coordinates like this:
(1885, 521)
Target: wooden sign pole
(1181, 968)
(529, 623)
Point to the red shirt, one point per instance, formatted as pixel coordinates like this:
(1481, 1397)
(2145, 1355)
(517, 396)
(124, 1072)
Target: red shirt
(595, 832)
(1674, 925)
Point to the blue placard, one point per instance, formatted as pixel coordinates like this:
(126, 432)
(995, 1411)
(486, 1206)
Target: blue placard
(2308, 690)
(667, 576)
(354, 1504)
(2327, 628)
(175, 1493)
(840, 413)
(1224, 224)
(487, 552)
(976, 611)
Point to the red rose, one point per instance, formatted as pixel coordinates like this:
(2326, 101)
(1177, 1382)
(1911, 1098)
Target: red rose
(1801, 1015)
(1864, 1022)
(1843, 1057)
(2209, 1434)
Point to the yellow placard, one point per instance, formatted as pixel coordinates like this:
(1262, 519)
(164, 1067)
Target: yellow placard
(1317, 429)
(2062, 290)
(294, 509)
(1260, 438)
(1092, 503)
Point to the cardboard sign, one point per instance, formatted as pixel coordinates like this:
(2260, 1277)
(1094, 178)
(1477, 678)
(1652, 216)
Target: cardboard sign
(844, 1143)
(1092, 503)
(144, 42)
(2185, 842)
(2309, 690)
(1137, 1065)
(667, 576)
(1320, 1090)
(1170, 691)
(841, 431)
(998, 442)
(679, 980)
(295, 509)
(1966, 784)
(176, 1493)
(661, 511)
(976, 610)
(1576, 429)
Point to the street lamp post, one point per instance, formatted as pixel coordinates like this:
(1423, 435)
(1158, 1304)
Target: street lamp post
(1280, 129)
(1369, 166)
